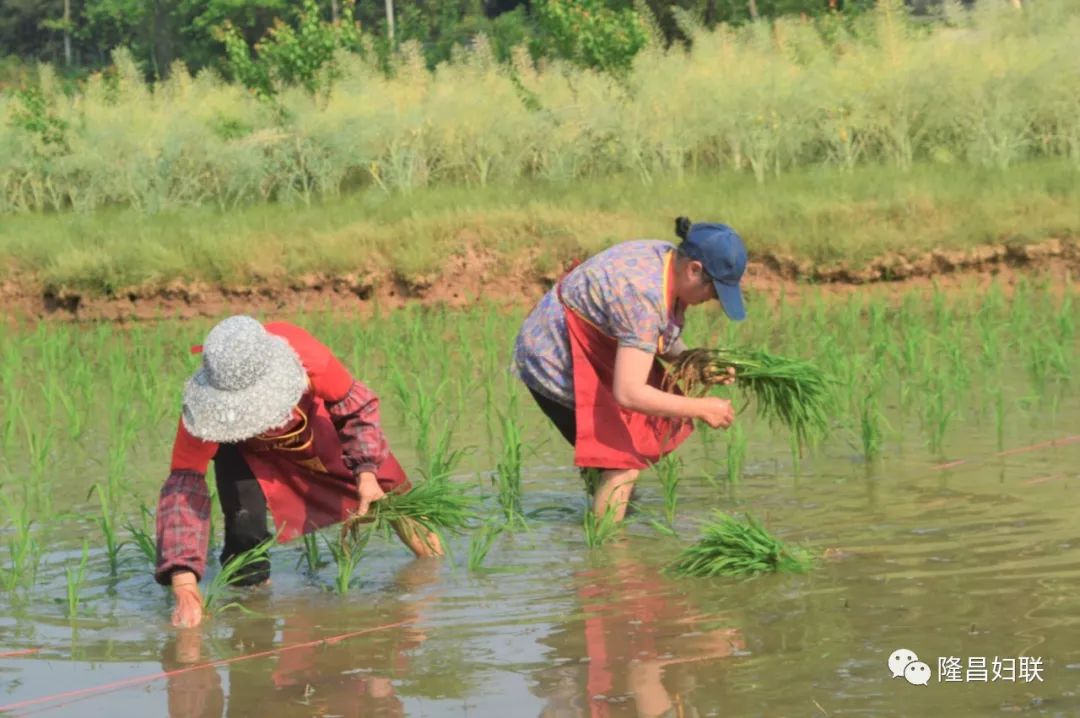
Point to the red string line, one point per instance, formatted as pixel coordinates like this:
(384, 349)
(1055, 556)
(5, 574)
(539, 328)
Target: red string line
(1064, 441)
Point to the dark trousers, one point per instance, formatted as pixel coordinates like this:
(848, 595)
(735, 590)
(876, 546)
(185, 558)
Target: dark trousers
(244, 507)
(563, 417)
(565, 420)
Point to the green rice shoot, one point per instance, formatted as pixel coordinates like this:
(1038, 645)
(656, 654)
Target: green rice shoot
(235, 569)
(729, 547)
(438, 505)
(600, 530)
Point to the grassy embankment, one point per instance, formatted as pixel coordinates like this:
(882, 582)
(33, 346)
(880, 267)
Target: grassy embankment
(820, 215)
(826, 142)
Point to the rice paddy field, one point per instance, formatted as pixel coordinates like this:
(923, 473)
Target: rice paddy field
(939, 507)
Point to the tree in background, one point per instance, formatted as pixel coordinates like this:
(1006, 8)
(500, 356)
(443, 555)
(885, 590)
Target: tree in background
(23, 32)
(439, 26)
(158, 32)
(288, 55)
(589, 33)
(602, 34)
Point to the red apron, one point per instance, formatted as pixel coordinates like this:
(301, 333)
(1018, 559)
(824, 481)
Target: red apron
(609, 436)
(303, 476)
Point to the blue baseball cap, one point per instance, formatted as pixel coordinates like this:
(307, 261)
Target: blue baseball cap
(723, 256)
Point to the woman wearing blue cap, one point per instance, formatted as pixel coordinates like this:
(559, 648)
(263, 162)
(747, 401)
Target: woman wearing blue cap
(588, 351)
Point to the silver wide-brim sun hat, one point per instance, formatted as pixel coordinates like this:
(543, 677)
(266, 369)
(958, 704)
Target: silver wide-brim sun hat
(249, 382)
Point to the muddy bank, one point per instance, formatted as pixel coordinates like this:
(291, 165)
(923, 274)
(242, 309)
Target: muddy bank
(478, 277)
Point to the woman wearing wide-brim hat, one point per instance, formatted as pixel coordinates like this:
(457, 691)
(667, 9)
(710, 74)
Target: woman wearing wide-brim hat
(588, 351)
(290, 431)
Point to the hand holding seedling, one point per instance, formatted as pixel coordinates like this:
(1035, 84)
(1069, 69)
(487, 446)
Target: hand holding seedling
(189, 603)
(716, 412)
(792, 392)
(369, 492)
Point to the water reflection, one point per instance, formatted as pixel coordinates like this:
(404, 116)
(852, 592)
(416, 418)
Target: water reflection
(646, 648)
(352, 677)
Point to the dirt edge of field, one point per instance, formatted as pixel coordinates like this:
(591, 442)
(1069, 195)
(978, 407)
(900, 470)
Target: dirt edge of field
(475, 277)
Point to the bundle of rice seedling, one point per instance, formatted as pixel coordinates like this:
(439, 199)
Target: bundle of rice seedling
(790, 391)
(437, 505)
(731, 548)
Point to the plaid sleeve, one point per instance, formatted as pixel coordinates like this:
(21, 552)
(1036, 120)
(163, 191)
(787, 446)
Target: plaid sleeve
(183, 525)
(356, 417)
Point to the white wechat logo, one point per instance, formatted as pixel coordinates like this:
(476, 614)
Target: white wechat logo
(917, 673)
(905, 664)
(899, 660)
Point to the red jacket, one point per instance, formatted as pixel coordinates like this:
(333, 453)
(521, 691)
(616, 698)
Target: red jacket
(183, 516)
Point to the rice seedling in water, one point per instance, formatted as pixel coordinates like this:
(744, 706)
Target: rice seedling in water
(990, 343)
(419, 406)
(12, 414)
(75, 576)
(427, 405)
(599, 531)
(870, 423)
(1046, 362)
(50, 392)
(143, 536)
(913, 360)
(10, 372)
(155, 401)
(443, 461)
(937, 416)
(107, 522)
(481, 542)
(38, 446)
(123, 437)
(347, 554)
(507, 477)
(74, 413)
(1021, 318)
(729, 547)
(959, 373)
(23, 550)
(310, 553)
(235, 568)
(792, 392)
(669, 471)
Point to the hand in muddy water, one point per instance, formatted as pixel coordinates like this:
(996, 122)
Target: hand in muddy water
(715, 412)
(189, 606)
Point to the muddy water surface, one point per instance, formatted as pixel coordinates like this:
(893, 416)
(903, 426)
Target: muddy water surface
(977, 563)
(971, 566)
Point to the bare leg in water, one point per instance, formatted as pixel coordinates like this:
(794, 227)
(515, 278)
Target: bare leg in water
(613, 492)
